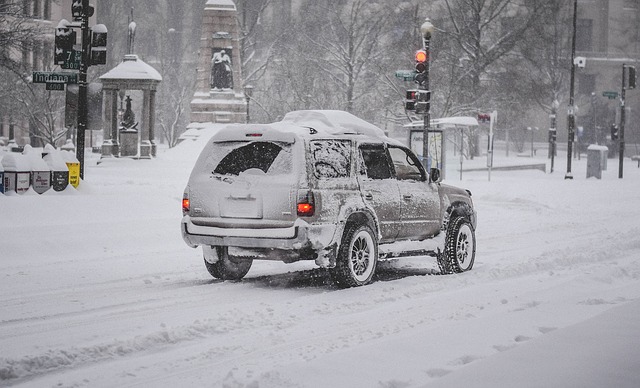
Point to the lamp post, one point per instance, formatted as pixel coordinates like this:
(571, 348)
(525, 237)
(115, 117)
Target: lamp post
(553, 131)
(571, 119)
(426, 29)
(248, 92)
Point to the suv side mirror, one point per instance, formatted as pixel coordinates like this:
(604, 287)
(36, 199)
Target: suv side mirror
(434, 175)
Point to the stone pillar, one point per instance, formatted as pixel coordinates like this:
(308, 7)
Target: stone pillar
(110, 131)
(152, 121)
(145, 139)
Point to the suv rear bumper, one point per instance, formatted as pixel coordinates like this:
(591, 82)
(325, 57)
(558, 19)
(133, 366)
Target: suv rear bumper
(302, 236)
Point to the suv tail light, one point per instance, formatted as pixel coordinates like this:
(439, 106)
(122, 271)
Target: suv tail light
(185, 204)
(306, 203)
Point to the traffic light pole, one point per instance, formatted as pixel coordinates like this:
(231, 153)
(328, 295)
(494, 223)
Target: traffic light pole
(571, 119)
(426, 29)
(427, 113)
(622, 120)
(82, 87)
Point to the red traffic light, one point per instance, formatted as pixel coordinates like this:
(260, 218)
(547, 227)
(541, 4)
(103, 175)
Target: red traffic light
(421, 56)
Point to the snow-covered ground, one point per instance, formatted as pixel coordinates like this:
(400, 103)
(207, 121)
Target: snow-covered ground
(98, 289)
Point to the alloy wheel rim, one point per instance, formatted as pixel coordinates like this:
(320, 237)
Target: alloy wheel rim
(464, 246)
(361, 256)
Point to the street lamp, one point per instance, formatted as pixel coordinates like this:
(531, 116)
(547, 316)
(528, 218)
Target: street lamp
(553, 131)
(248, 92)
(426, 29)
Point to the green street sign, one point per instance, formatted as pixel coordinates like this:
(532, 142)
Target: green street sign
(42, 77)
(610, 95)
(55, 85)
(406, 75)
(72, 60)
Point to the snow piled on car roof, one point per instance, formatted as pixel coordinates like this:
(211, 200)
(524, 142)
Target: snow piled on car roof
(334, 122)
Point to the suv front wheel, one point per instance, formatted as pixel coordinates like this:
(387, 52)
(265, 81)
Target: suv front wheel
(460, 247)
(357, 256)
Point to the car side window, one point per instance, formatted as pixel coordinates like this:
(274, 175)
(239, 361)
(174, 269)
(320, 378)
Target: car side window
(331, 158)
(407, 166)
(376, 161)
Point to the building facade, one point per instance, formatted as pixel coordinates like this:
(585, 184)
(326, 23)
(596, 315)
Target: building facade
(36, 54)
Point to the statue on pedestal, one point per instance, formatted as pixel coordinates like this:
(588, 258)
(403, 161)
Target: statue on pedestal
(221, 71)
(128, 118)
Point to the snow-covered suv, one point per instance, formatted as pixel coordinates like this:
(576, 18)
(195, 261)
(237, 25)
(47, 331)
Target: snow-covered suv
(324, 186)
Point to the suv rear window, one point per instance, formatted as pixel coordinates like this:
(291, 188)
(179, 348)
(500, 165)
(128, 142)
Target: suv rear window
(234, 158)
(331, 158)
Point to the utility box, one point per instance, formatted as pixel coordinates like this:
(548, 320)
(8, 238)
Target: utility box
(59, 169)
(74, 168)
(17, 173)
(40, 171)
(596, 160)
(1, 176)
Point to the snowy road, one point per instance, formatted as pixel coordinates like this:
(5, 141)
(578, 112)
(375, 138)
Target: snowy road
(98, 289)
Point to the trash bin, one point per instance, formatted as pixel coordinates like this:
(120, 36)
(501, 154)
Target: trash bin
(40, 171)
(17, 173)
(596, 160)
(74, 167)
(1, 174)
(59, 169)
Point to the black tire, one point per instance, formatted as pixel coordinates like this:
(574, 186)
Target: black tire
(357, 256)
(460, 247)
(227, 268)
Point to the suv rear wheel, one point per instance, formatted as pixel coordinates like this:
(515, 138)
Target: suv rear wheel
(460, 247)
(357, 256)
(227, 268)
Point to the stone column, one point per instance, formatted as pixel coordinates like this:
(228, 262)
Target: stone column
(145, 143)
(152, 121)
(110, 132)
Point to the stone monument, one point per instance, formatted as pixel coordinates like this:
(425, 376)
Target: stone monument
(218, 97)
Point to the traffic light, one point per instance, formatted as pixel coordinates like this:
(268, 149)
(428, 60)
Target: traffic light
(421, 67)
(78, 12)
(614, 132)
(410, 100)
(99, 45)
(424, 101)
(484, 117)
(64, 41)
(631, 77)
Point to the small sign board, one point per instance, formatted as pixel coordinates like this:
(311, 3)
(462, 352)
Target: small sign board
(72, 60)
(42, 77)
(406, 75)
(55, 85)
(610, 95)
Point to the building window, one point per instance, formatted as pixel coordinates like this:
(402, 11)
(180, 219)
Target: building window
(37, 9)
(584, 32)
(47, 10)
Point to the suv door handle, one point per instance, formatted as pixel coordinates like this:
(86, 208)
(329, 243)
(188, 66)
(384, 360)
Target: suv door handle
(407, 196)
(368, 196)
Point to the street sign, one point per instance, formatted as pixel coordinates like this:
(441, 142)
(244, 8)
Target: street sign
(610, 95)
(406, 75)
(55, 85)
(72, 60)
(42, 77)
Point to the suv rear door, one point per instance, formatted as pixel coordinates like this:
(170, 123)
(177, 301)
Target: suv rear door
(379, 188)
(245, 184)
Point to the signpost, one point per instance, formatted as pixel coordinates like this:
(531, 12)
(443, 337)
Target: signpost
(43, 77)
(406, 75)
(72, 60)
(55, 85)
